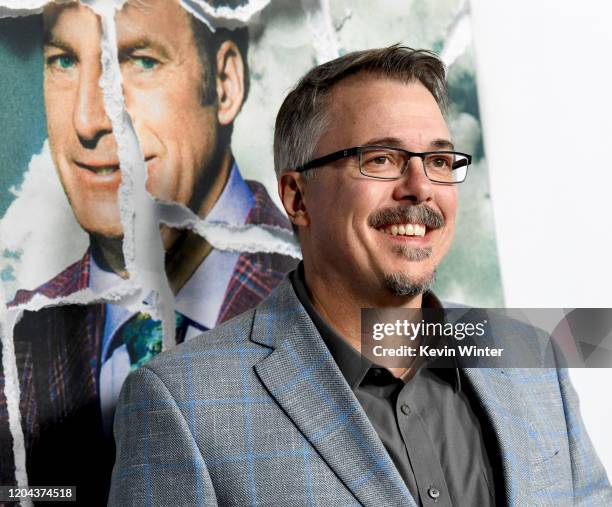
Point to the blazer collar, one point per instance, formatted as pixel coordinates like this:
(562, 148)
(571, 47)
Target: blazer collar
(504, 403)
(305, 381)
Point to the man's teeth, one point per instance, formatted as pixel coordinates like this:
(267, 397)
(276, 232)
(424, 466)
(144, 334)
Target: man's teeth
(105, 170)
(405, 230)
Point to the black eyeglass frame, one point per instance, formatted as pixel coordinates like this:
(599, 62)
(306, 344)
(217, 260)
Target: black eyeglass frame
(358, 150)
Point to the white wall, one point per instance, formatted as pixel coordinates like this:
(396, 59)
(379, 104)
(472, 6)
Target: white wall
(545, 85)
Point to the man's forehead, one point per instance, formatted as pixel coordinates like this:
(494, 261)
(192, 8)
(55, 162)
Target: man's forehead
(367, 87)
(366, 108)
(55, 13)
(152, 19)
(154, 14)
(170, 11)
(68, 21)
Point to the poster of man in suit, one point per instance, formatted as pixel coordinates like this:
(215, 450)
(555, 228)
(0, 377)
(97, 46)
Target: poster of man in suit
(114, 254)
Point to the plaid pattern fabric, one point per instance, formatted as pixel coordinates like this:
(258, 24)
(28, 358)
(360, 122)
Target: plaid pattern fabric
(74, 278)
(256, 412)
(256, 274)
(57, 355)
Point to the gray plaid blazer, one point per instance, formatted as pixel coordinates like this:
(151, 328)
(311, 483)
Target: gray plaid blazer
(256, 412)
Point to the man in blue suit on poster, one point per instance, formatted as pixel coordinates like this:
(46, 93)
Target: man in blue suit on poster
(279, 407)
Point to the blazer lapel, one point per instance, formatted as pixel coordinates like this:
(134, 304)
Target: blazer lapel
(504, 404)
(303, 378)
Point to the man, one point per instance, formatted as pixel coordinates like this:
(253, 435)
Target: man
(276, 407)
(183, 88)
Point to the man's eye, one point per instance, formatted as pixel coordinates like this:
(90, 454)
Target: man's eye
(381, 160)
(145, 62)
(61, 61)
(440, 162)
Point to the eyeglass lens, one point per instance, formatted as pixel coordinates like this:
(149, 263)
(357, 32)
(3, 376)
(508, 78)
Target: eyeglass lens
(443, 167)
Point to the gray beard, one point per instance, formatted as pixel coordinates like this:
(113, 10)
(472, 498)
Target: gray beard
(412, 254)
(401, 284)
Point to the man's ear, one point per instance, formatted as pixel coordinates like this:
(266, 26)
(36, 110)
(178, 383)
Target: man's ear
(291, 191)
(230, 82)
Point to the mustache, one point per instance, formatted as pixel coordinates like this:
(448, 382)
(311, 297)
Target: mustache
(417, 213)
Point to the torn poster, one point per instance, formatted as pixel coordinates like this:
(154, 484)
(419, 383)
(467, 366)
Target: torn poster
(138, 198)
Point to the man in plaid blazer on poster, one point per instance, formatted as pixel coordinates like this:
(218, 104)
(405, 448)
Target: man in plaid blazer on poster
(72, 359)
(58, 353)
(278, 407)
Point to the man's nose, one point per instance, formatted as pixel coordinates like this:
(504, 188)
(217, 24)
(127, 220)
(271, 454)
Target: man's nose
(90, 119)
(414, 185)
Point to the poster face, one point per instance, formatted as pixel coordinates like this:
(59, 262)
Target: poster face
(138, 193)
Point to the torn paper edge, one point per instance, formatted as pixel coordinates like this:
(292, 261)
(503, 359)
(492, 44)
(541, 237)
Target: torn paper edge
(458, 35)
(128, 149)
(20, 8)
(242, 238)
(250, 238)
(142, 244)
(8, 318)
(324, 37)
(224, 16)
(122, 291)
(213, 17)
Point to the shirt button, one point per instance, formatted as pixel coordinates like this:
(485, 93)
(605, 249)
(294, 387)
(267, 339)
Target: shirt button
(433, 493)
(405, 408)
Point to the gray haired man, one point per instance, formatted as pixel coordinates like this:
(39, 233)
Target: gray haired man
(277, 407)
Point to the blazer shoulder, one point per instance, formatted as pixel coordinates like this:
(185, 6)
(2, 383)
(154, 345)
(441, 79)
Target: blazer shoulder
(228, 342)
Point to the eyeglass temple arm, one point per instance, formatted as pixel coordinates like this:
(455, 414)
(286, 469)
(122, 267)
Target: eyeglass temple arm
(461, 163)
(327, 159)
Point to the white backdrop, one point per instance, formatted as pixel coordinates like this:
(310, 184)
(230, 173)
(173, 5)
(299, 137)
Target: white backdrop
(545, 82)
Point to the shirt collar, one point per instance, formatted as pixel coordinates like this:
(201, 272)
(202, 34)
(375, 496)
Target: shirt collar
(201, 298)
(214, 274)
(351, 363)
(101, 280)
(234, 203)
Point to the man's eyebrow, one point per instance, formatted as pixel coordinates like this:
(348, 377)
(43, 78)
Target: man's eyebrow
(444, 144)
(127, 47)
(394, 142)
(57, 42)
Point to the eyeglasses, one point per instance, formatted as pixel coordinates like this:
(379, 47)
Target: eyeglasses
(386, 163)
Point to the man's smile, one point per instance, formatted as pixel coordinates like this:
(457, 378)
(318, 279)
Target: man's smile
(408, 235)
(104, 168)
(99, 168)
(405, 230)
(407, 225)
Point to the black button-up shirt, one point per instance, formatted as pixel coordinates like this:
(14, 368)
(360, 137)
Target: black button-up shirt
(431, 425)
